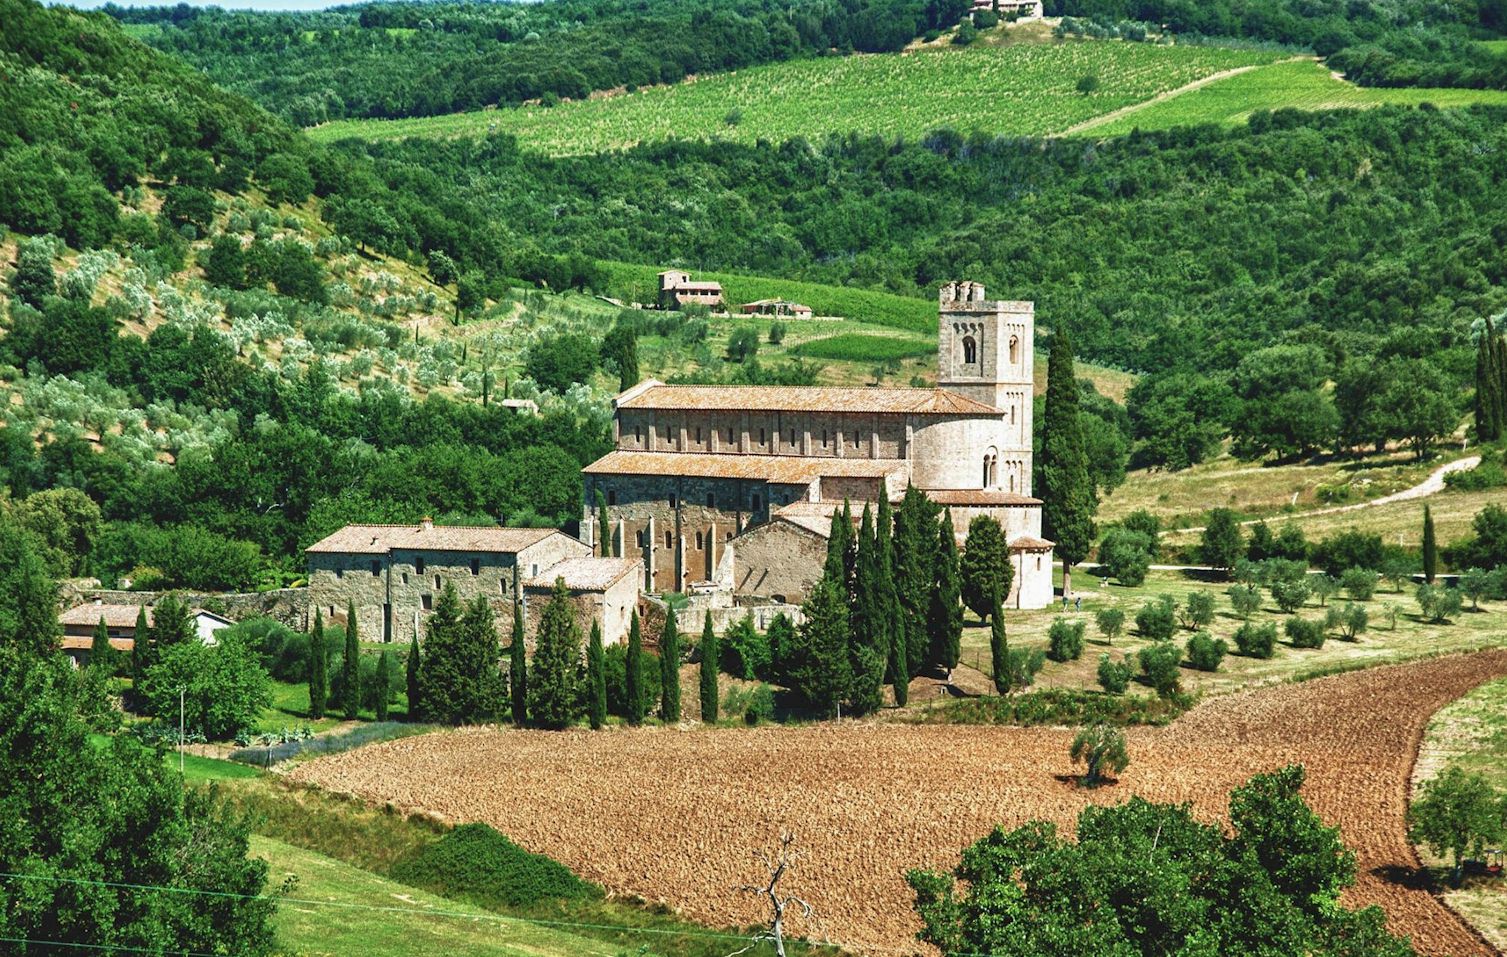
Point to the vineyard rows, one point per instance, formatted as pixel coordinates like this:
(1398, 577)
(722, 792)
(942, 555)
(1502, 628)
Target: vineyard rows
(674, 815)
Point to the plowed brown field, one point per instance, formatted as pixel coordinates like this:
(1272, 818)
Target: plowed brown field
(674, 815)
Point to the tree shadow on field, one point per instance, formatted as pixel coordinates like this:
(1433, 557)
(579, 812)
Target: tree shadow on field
(1412, 878)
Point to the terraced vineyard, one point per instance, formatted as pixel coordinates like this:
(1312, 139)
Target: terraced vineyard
(1298, 84)
(1027, 89)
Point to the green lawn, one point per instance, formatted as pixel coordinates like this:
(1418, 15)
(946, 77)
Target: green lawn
(1027, 89)
(333, 908)
(1302, 84)
(1378, 645)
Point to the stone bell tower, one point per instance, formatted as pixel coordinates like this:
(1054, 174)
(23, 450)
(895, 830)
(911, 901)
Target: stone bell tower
(985, 351)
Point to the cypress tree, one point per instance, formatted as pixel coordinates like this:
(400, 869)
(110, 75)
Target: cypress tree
(101, 652)
(1488, 401)
(945, 619)
(518, 664)
(446, 674)
(913, 555)
(868, 623)
(627, 374)
(1067, 493)
(415, 697)
(553, 690)
(319, 679)
(891, 639)
(596, 679)
(669, 671)
(172, 624)
(604, 528)
(1430, 547)
(350, 668)
(1499, 363)
(384, 684)
(710, 654)
(141, 646)
(841, 551)
(478, 650)
(999, 648)
(816, 663)
(633, 680)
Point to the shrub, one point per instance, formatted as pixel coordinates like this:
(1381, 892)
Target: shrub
(282, 651)
(1289, 595)
(1245, 600)
(1101, 748)
(474, 863)
(1324, 586)
(615, 670)
(1114, 676)
(760, 706)
(1159, 667)
(1485, 476)
(1022, 665)
(1359, 583)
(1065, 639)
(1126, 555)
(1439, 604)
(1157, 619)
(1349, 549)
(1205, 652)
(1349, 621)
(745, 651)
(1303, 633)
(1199, 610)
(1111, 622)
(1257, 641)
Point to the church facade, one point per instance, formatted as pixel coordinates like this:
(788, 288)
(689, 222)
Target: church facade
(734, 486)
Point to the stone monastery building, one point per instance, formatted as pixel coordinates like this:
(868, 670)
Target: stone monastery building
(718, 486)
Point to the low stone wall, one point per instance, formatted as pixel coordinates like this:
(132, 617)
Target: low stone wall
(690, 621)
(287, 605)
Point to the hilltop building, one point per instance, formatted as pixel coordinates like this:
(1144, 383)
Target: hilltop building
(735, 485)
(677, 290)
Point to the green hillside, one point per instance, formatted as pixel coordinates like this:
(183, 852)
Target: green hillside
(1023, 90)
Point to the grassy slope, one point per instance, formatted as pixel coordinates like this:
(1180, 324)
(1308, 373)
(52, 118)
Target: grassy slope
(1301, 84)
(1472, 733)
(1026, 89)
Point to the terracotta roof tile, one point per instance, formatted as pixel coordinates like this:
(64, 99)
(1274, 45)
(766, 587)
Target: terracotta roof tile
(115, 616)
(779, 469)
(85, 642)
(978, 497)
(771, 398)
(380, 539)
(1029, 543)
(586, 574)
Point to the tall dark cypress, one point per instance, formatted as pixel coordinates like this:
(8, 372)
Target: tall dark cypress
(868, 629)
(350, 671)
(669, 670)
(518, 663)
(633, 684)
(604, 528)
(1430, 547)
(1067, 492)
(415, 696)
(101, 652)
(1489, 381)
(142, 656)
(711, 653)
(841, 550)
(596, 678)
(913, 551)
(319, 663)
(384, 684)
(999, 648)
(945, 619)
(893, 640)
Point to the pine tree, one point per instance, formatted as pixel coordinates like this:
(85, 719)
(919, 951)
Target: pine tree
(518, 665)
(633, 680)
(596, 678)
(142, 656)
(604, 528)
(553, 690)
(319, 679)
(710, 654)
(412, 667)
(1430, 547)
(101, 652)
(913, 554)
(999, 648)
(350, 668)
(868, 623)
(384, 684)
(1068, 497)
(816, 664)
(945, 619)
(892, 641)
(669, 671)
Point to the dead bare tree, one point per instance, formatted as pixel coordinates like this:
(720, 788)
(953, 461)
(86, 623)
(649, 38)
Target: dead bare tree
(777, 865)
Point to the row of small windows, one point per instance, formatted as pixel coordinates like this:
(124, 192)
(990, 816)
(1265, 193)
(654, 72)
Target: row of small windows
(792, 437)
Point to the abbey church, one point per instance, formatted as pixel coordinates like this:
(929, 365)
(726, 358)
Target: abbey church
(735, 486)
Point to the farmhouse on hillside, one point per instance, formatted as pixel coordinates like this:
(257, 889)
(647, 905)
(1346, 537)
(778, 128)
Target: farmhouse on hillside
(80, 621)
(394, 573)
(1012, 9)
(776, 307)
(677, 290)
(735, 485)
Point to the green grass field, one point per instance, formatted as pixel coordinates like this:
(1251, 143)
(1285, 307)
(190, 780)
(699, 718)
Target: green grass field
(1027, 89)
(1301, 84)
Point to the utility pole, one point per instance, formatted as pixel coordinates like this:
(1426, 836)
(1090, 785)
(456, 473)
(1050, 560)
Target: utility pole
(180, 730)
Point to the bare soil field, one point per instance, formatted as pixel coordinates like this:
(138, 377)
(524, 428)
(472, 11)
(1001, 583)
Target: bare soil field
(674, 815)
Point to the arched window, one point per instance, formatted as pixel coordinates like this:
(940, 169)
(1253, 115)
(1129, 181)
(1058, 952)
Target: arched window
(970, 351)
(1014, 350)
(991, 468)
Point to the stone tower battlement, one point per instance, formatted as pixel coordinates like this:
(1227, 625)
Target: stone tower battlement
(986, 351)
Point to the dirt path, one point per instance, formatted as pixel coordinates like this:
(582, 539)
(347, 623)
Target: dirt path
(1113, 115)
(1432, 485)
(675, 815)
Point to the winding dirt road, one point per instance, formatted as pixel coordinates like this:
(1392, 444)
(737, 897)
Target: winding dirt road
(674, 815)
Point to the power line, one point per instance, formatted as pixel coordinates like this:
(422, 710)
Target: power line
(114, 948)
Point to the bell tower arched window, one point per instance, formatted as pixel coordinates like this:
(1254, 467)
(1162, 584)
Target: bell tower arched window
(970, 351)
(991, 469)
(1014, 350)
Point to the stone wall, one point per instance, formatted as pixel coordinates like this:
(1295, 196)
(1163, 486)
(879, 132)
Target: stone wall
(778, 559)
